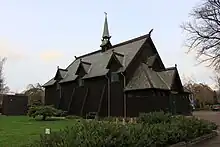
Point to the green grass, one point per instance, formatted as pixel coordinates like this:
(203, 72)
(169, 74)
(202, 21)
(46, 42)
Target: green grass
(19, 130)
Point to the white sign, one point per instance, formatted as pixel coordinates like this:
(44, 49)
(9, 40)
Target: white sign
(47, 131)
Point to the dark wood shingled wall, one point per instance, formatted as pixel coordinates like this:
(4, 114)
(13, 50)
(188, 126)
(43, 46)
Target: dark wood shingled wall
(68, 90)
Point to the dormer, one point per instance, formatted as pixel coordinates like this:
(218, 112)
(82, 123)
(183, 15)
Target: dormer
(115, 61)
(83, 68)
(60, 74)
(155, 63)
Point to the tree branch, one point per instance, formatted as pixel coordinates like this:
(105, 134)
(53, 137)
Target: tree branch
(204, 32)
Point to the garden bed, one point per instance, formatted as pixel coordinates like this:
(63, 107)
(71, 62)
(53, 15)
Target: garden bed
(153, 129)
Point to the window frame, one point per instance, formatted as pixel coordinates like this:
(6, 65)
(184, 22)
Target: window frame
(114, 77)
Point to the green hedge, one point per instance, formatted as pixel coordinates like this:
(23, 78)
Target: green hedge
(109, 134)
(45, 111)
(154, 117)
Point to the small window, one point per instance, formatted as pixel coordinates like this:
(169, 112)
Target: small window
(58, 86)
(114, 77)
(80, 82)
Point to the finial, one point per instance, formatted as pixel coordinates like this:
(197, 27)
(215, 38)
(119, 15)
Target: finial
(150, 32)
(75, 57)
(175, 65)
(57, 67)
(106, 31)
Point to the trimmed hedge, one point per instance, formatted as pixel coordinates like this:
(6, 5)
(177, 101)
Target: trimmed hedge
(146, 133)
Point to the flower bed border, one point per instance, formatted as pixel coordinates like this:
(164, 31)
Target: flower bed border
(196, 140)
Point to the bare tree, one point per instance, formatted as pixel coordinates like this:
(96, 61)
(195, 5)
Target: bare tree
(216, 79)
(3, 88)
(204, 32)
(35, 93)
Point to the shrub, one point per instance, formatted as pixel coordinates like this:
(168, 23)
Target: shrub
(154, 117)
(193, 127)
(105, 133)
(44, 111)
(61, 113)
(111, 119)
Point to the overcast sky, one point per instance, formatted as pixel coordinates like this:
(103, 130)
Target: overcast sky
(37, 36)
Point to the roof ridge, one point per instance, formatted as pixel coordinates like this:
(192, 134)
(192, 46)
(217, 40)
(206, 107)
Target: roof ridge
(131, 40)
(119, 44)
(89, 53)
(116, 45)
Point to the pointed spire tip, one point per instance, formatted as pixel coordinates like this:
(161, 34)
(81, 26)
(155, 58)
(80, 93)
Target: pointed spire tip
(105, 31)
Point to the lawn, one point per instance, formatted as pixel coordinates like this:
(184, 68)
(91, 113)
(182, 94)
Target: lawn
(18, 130)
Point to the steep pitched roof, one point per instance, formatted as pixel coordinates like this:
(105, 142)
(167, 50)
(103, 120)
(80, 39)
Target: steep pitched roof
(168, 75)
(139, 80)
(49, 83)
(60, 72)
(144, 78)
(99, 59)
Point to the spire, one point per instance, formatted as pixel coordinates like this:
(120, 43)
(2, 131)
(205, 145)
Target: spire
(106, 31)
(105, 36)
